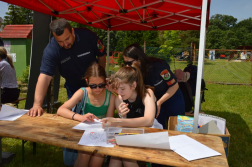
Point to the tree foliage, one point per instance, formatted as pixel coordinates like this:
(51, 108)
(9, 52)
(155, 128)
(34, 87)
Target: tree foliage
(18, 15)
(225, 33)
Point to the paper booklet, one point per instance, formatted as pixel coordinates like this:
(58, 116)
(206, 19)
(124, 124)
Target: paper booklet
(9, 113)
(159, 140)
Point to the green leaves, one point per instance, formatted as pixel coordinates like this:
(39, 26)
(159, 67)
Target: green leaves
(18, 15)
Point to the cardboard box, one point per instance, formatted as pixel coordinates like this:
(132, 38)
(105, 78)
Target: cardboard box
(173, 121)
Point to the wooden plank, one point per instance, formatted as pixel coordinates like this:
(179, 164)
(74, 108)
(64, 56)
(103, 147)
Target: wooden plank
(55, 130)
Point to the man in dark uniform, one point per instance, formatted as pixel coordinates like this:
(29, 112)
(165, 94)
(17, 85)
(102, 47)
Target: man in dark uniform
(72, 51)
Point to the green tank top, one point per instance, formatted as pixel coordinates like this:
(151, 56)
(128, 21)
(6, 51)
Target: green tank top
(101, 111)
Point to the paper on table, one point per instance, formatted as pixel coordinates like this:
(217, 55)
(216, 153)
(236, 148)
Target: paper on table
(190, 149)
(89, 125)
(158, 140)
(220, 122)
(9, 113)
(94, 137)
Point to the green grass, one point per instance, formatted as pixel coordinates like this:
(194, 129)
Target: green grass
(232, 102)
(222, 71)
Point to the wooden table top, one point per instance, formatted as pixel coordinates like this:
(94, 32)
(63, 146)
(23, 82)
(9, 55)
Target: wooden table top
(55, 130)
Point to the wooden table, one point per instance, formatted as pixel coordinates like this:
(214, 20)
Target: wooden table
(55, 130)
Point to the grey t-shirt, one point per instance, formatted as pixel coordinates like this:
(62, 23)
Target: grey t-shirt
(7, 75)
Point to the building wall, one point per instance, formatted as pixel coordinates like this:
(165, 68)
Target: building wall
(22, 48)
(28, 51)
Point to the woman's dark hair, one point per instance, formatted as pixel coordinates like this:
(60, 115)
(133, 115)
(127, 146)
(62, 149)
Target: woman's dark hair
(95, 70)
(3, 55)
(135, 52)
(58, 26)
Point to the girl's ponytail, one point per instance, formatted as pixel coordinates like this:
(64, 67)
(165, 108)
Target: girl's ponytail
(9, 60)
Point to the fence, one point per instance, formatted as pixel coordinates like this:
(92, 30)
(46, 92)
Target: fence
(218, 68)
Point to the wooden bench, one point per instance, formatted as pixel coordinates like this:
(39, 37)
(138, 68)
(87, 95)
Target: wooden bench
(18, 100)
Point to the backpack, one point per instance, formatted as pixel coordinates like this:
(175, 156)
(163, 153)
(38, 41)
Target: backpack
(193, 80)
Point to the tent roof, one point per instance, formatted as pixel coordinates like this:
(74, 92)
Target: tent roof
(123, 14)
(17, 31)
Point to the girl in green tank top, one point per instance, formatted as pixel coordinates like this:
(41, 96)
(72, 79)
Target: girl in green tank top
(99, 103)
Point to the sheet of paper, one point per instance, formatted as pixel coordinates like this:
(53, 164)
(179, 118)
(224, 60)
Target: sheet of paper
(89, 125)
(9, 113)
(220, 122)
(190, 149)
(158, 140)
(95, 137)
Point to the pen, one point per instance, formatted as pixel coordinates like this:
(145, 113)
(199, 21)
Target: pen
(126, 133)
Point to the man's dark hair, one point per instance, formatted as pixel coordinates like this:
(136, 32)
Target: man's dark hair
(58, 26)
(1, 42)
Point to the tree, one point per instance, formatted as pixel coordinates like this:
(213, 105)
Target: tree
(172, 40)
(189, 36)
(223, 22)
(18, 15)
(13, 16)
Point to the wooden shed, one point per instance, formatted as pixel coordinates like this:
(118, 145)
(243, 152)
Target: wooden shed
(17, 40)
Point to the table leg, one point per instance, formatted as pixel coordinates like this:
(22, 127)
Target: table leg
(23, 142)
(34, 148)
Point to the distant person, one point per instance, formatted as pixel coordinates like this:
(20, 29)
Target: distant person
(72, 51)
(9, 87)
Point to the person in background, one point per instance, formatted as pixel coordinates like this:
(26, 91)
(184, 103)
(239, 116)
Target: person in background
(72, 51)
(135, 104)
(156, 72)
(9, 87)
(99, 104)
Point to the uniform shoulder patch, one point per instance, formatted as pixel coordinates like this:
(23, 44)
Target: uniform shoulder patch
(100, 46)
(165, 74)
(171, 82)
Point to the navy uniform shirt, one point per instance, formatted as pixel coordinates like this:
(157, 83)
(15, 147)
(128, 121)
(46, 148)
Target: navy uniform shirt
(160, 77)
(73, 62)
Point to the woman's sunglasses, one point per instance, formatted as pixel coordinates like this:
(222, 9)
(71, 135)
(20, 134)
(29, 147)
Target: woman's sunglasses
(101, 85)
(129, 63)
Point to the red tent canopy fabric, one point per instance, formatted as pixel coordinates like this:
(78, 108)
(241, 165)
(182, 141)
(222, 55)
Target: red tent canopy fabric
(123, 14)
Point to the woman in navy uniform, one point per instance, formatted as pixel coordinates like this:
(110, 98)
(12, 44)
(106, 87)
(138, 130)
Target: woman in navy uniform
(156, 72)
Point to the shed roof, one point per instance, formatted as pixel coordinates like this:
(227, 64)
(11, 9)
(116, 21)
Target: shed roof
(17, 31)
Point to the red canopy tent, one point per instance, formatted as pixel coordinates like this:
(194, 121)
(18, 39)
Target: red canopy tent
(123, 14)
(133, 15)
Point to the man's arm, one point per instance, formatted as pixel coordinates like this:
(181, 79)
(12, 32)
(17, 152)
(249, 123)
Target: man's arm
(40, 92)
(102, 61)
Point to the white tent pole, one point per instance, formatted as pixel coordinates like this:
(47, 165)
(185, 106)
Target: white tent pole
(107, 65)
(200, 64)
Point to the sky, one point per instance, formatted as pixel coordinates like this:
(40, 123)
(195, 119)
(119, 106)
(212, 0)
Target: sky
(240, 9)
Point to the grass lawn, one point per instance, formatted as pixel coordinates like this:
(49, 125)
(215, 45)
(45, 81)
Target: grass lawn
(232, 102)
(222, 71)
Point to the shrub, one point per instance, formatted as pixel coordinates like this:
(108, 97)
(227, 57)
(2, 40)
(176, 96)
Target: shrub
(25, 75)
